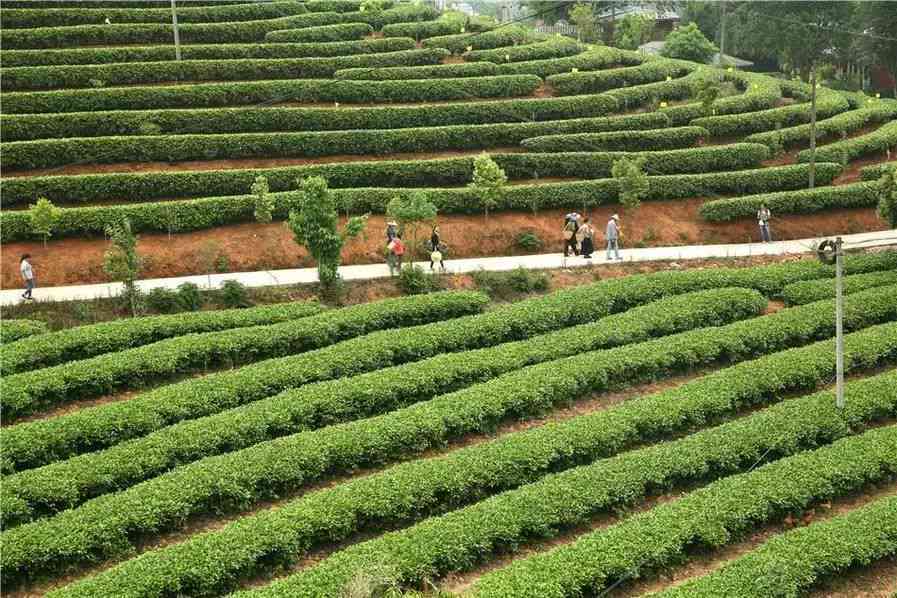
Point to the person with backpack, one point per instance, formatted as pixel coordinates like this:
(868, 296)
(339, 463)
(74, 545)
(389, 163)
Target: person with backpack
(395, 250)
(612, 236)
(585, 236)
(392, 229)
(27, 275)
(571, 225)
(437, 249)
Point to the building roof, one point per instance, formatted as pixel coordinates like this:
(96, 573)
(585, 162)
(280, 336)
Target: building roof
(656, 47)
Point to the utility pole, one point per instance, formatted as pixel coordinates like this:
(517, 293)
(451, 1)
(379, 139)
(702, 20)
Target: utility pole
(839, 325)
(722, 33)
(177, 37)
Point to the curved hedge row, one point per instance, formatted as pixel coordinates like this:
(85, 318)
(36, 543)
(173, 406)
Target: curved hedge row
(82, 342)
(30, 392)
(880, 140)
(16, 329)
(486, 40)
(840, 124)
(803, 201)
(171, 148)
(828, 103)
(807, 291)
(592, 60)
(135, 187)
(16, 58)
(57, 17)
(253, 92)
(423, 29)
(552, 48)
(203, 213)
(438, 71)
(652, 139)
(137, 33)
(106, 4)
(712, 516)
(47, 440)
(296, 460)
(597, 81)
(431, 486)
(329, 403)
(803, 557)
(30, 78)
(339, 5)
(759, 92)
(875, 171)
(323, 33)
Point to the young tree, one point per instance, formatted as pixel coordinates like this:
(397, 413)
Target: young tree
(122, 262)
(44, 217)
(313, 220)
(707, 92)
(583, 19)
(803, 34)
(688, 43)
(489, 181)
(887, 203)
(633, 181)
(263, 203)
(410, 212)
(633, 31)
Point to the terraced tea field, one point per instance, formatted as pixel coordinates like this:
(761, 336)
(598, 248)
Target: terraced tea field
(566, 443)
(102, 121)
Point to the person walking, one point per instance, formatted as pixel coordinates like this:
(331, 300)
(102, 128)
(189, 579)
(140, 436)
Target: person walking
(437, 249)
(27, 275)
(612, 235)
(392, 229)
(763, 216)
(586, 235)
(571, 225)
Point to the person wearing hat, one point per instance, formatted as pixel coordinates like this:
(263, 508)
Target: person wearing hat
(612, 235)
(392, 229)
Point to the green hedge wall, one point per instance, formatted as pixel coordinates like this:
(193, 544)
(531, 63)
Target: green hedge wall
(804, 201)
(235, 94)
(598, 81)
(466, 474)
(338, 5)
(808, 291)
(878, 141)
(487, 40)
(324, 33)
(82, 342)
(422, 29)
(552, 48)
(135, 187)
(137, 33)
(14, 58)
(401, 13)
(197, 214)
(58, 17)
(827, 104)
(840, 124)
(25, 127)
(33, 391)
(655, 139)
(172, 148)
(759, 92)
(439, 71)
(107, 4)
(15, 329)
(875, 171)
(592, 60)
(54, 77)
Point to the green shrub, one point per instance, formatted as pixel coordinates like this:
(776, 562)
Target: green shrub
(652, 139)
(414, 280)
(802, 201)
(57, 17)
(13, 330)
(190, 297)
(211, 95)
(591, 60)
(204, 213)
(163, 301)
(505, 36)
(503, 285)
(553, 48)
(234, 294)
(529, 241)
(52, 77)
(878, 141)
(135, 187)
(14, 58)
(604, 80)
(840, 124)
(807, 291)
(431, 486)
(439, 71)
(323, 33)
(875, 171)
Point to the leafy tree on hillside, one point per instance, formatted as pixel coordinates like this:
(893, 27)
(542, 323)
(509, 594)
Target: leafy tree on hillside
(688, 43)
(122, 262)
(804, 35)
(633, 181)
(633, 31)
(489, 181)
(313, 220)
(583, 18)
(410, 212)
(263, 203)
(878, 20)
(707, 92)
(44, 217)
(887, 203)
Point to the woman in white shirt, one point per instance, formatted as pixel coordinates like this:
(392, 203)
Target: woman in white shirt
(27, 275)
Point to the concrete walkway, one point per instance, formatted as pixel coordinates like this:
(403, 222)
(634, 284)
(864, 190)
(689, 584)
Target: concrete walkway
(371, 271)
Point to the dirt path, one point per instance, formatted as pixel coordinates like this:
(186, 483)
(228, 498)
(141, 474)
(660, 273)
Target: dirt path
(251, 246)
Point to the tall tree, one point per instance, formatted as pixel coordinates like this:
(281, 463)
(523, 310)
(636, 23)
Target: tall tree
(122, 262)
(804, 34)
(688, 43)
(489, 182)
(878, 21)
(585, 21)
(887, 203)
